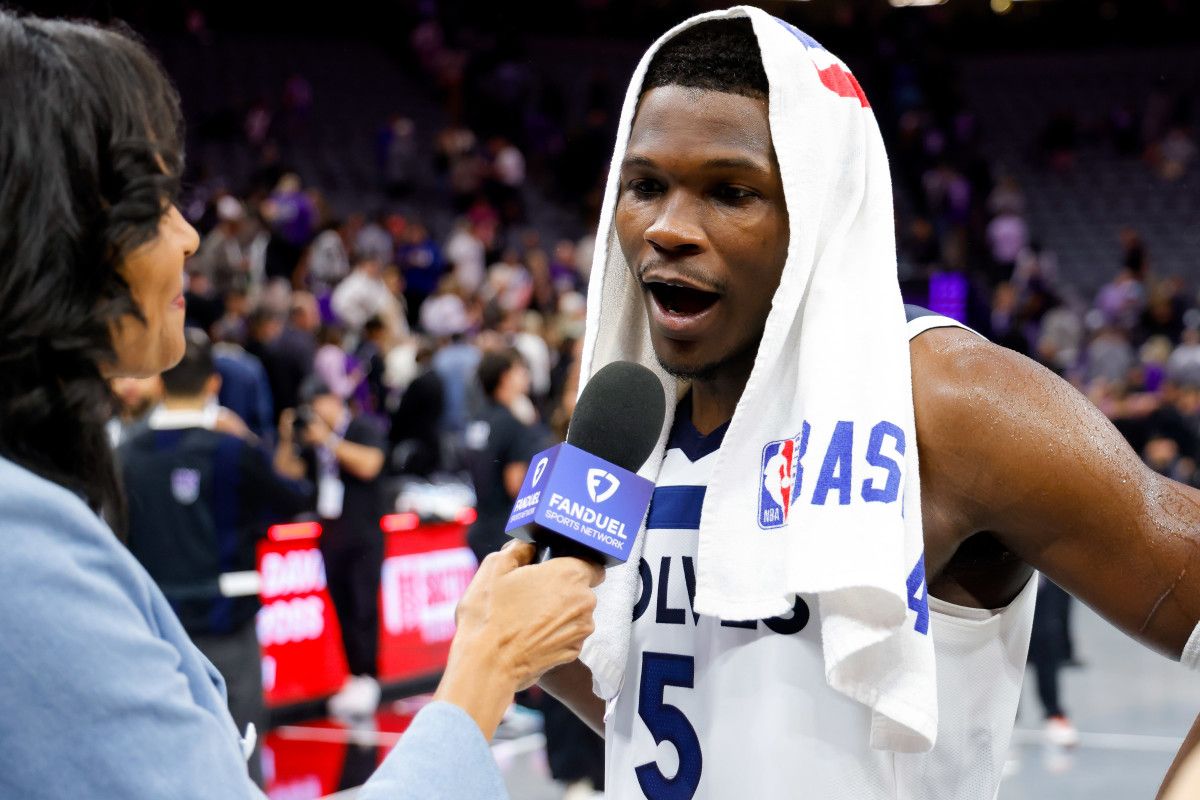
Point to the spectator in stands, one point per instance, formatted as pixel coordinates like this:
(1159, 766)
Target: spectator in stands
(507, 179)
(1162, 454)
(544, 297)
(332, 365)
(200, 496)
(1006, 198)
(328, 261)
(1183, 366)
(1163, 315)
(1007, 236)
(225, 253)
(529, 337)
(1122, 300)
(289, 358)
(466, 250)
(293, 219)
(231, 327)
(563, 272)
(374, 241)
(373, 346)
(509, 286)
(1036, 270)
(345, 454)
(456, 363)
(245, 389)
(1110, 356)
(420, 261)
(1152, 358)
(445, 313)
(363, 295)
(415, 435)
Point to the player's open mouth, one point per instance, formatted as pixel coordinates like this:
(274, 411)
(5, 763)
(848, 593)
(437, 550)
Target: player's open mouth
(682, 300)
(682, 312)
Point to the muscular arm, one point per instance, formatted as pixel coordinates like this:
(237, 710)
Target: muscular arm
(571, 685)
(1013, 450)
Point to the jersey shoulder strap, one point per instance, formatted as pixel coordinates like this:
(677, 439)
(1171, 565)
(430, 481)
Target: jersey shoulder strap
(922, 319)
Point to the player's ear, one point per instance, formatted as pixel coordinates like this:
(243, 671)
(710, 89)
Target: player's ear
(212, 386)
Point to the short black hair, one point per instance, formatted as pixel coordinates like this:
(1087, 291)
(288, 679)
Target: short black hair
(721, 55)
(492, 368)
(187, 378)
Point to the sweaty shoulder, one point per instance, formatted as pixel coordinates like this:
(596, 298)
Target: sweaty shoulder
(961, 384)
(958, 376)
(954, 383)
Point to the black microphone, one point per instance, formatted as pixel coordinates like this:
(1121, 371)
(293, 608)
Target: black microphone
(618, 418)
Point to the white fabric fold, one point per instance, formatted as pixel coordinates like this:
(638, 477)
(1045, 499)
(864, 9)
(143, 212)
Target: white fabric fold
(832, 376)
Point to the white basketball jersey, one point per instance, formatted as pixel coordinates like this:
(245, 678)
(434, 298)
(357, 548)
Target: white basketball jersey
(717, 710)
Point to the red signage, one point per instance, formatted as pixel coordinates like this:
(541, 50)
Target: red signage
(297, 626)
(425, 571)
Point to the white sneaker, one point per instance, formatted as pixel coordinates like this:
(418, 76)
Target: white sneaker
(1059, 731)
(519, 721)
(358, 697)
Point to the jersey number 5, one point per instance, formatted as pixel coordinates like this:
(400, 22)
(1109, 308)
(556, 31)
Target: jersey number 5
(667, 723)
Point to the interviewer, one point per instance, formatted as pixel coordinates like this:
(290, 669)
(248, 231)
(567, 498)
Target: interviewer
(102, 694)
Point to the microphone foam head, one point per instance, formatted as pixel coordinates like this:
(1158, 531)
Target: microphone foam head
(619, 415)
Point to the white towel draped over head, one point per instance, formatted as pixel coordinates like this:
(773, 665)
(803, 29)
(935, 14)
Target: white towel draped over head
(828, 408)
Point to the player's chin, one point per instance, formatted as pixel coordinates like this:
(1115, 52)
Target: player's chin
(683, 359)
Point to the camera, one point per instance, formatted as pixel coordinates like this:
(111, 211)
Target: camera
(304, 418)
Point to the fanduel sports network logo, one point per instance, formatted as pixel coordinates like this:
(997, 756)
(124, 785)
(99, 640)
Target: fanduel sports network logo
(583, 497)
(540, 469)
(593, 482)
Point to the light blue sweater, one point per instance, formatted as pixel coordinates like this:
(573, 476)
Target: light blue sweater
(102, 694)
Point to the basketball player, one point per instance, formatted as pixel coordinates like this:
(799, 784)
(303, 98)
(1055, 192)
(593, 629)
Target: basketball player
(1018, 472)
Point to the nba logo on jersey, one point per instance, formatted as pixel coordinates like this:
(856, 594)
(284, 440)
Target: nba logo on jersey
(779, 481)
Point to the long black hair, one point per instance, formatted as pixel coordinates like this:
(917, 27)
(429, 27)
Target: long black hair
(91, 152)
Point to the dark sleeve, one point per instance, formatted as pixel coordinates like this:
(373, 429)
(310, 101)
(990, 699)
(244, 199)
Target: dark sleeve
(264, 402)
(268, 489)
(520, 442)
(364, 431)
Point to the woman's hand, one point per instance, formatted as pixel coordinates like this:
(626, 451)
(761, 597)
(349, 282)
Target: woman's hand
(516, 621)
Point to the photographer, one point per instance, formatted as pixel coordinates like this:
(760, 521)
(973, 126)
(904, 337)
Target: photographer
(345, 454)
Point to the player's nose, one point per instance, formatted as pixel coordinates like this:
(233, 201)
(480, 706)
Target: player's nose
(676, 229)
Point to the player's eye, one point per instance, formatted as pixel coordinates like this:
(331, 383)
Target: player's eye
(644, 187)
(729, 193)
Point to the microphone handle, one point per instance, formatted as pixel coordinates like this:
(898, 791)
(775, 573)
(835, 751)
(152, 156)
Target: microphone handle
(551, 546)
